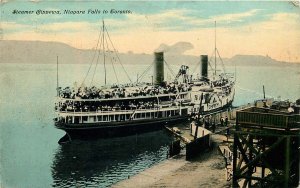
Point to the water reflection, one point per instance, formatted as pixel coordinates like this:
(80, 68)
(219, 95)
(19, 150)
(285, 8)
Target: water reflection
(106, 161)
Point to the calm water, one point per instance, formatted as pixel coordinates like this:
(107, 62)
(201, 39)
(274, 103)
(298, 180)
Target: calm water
(31, 156)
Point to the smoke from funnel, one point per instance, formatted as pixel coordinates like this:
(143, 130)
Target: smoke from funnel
(177, 48)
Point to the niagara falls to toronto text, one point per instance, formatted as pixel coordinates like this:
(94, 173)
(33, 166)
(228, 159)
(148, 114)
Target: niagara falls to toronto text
(71, 12)
(98, 11)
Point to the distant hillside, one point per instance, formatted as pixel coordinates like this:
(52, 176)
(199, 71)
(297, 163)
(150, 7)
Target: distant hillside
(46, 52)
(41, 52)
(256, 60)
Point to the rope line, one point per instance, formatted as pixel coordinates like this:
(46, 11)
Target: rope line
(100, 34)
(211, 61)
(148, 68)
(111, 60)
(194, 69)
(221, 61)
(96, 63)
(172, 72)
(115, 72)
(117, 54)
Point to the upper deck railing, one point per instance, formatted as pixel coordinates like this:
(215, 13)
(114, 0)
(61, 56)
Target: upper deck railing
(267, 118)
(124, 98)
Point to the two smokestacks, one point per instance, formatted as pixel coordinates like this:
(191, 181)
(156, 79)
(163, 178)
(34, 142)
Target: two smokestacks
(159, 67)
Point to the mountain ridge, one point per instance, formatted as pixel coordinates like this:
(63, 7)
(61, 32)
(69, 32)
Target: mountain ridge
(13, 51)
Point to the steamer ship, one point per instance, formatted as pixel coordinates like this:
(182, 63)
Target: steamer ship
(117, 110)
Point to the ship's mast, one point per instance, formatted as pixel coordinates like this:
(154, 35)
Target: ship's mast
(100, 47)
(103, 49)
(215, 48)
(57, 76)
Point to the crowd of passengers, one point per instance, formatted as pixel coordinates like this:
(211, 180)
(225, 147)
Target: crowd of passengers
(121, 91)
(88, 106)
(227, 90)
(224, 83)
(220, 83)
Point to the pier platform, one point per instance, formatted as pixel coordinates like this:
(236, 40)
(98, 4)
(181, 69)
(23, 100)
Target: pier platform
(206, 170)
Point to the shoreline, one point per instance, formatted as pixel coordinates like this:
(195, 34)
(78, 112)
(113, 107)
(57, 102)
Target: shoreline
(206, 170)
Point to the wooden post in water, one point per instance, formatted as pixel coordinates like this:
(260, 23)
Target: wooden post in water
(198, 121)
(234, 164)
(196, 131)
(287, 162)
(264, 100)
(263, 166)
(152, 79)
(264, 91)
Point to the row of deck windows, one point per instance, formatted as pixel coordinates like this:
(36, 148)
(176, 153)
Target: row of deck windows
(120, 117)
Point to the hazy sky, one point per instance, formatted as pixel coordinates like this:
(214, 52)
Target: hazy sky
(254, 28)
